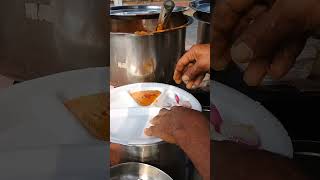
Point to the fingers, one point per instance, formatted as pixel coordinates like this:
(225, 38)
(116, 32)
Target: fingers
(161, 116)
(281, 63)
(162, 112)
(255, 72)
(193, 84)
(255, 12)
(198, 81)
(155, 121)
(280, 66)
(152, 131)
(160, 133)
(192, 64)
(193, 76)
(285, 59)
(186, 59)
(226, 16)
(227, 13)
(185, 78)
(160, 128)
(264, 36)
(220, 51)
(189, 84)
(194, 71)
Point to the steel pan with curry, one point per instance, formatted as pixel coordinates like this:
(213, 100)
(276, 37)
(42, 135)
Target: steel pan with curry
(145, 57)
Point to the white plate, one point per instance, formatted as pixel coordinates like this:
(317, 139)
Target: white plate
(128, 120)
(38, 135)
(37, 106)
(235, 106)
(56, 163)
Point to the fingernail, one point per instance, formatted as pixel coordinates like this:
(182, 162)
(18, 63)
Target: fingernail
(185, 78)
(251, 82)
(240, 52)
(198, 83)
(177, 80)
(194, 87)
(146, 132)
(189, 86)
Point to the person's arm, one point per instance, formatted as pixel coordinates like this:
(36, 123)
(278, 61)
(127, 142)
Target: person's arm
(234, 161)
(189, 129)
(198, 151)
(315, 21)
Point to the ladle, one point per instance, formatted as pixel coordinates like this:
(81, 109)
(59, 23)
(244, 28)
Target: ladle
(166, 10)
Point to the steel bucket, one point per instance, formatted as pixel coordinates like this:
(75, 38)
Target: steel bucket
(167, 157)
(203, 31)
(133, 171)
(145, 58)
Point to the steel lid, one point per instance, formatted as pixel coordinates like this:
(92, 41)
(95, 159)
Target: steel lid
(200, 5)
(141, 10)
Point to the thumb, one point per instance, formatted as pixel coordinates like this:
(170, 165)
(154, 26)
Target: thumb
(266, 34)
(183, 63)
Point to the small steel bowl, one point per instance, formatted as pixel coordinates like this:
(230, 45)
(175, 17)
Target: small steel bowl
(137, 171)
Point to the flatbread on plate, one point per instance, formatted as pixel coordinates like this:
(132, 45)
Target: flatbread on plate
(93, 113)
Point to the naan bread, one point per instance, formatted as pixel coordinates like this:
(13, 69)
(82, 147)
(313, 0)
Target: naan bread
(145, 98)
(93, 113)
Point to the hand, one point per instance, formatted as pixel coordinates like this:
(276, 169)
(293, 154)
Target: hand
(179, 124)
(267, 34)
(250, 164)
(115, 154)
(193, 65)
(189, 129)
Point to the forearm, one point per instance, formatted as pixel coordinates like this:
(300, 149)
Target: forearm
(315, 20)
(247, 164)
(198, 151)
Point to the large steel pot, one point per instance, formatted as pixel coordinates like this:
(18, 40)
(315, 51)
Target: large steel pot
(43, 37)
(142, 58)
(307, 154)
(132, 170)
(167, 157)
(203, 31)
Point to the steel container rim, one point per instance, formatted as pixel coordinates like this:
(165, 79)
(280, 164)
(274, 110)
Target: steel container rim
(178, 9)
(139, 164)
(142, 145)
(196, 16)
(189, 22)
